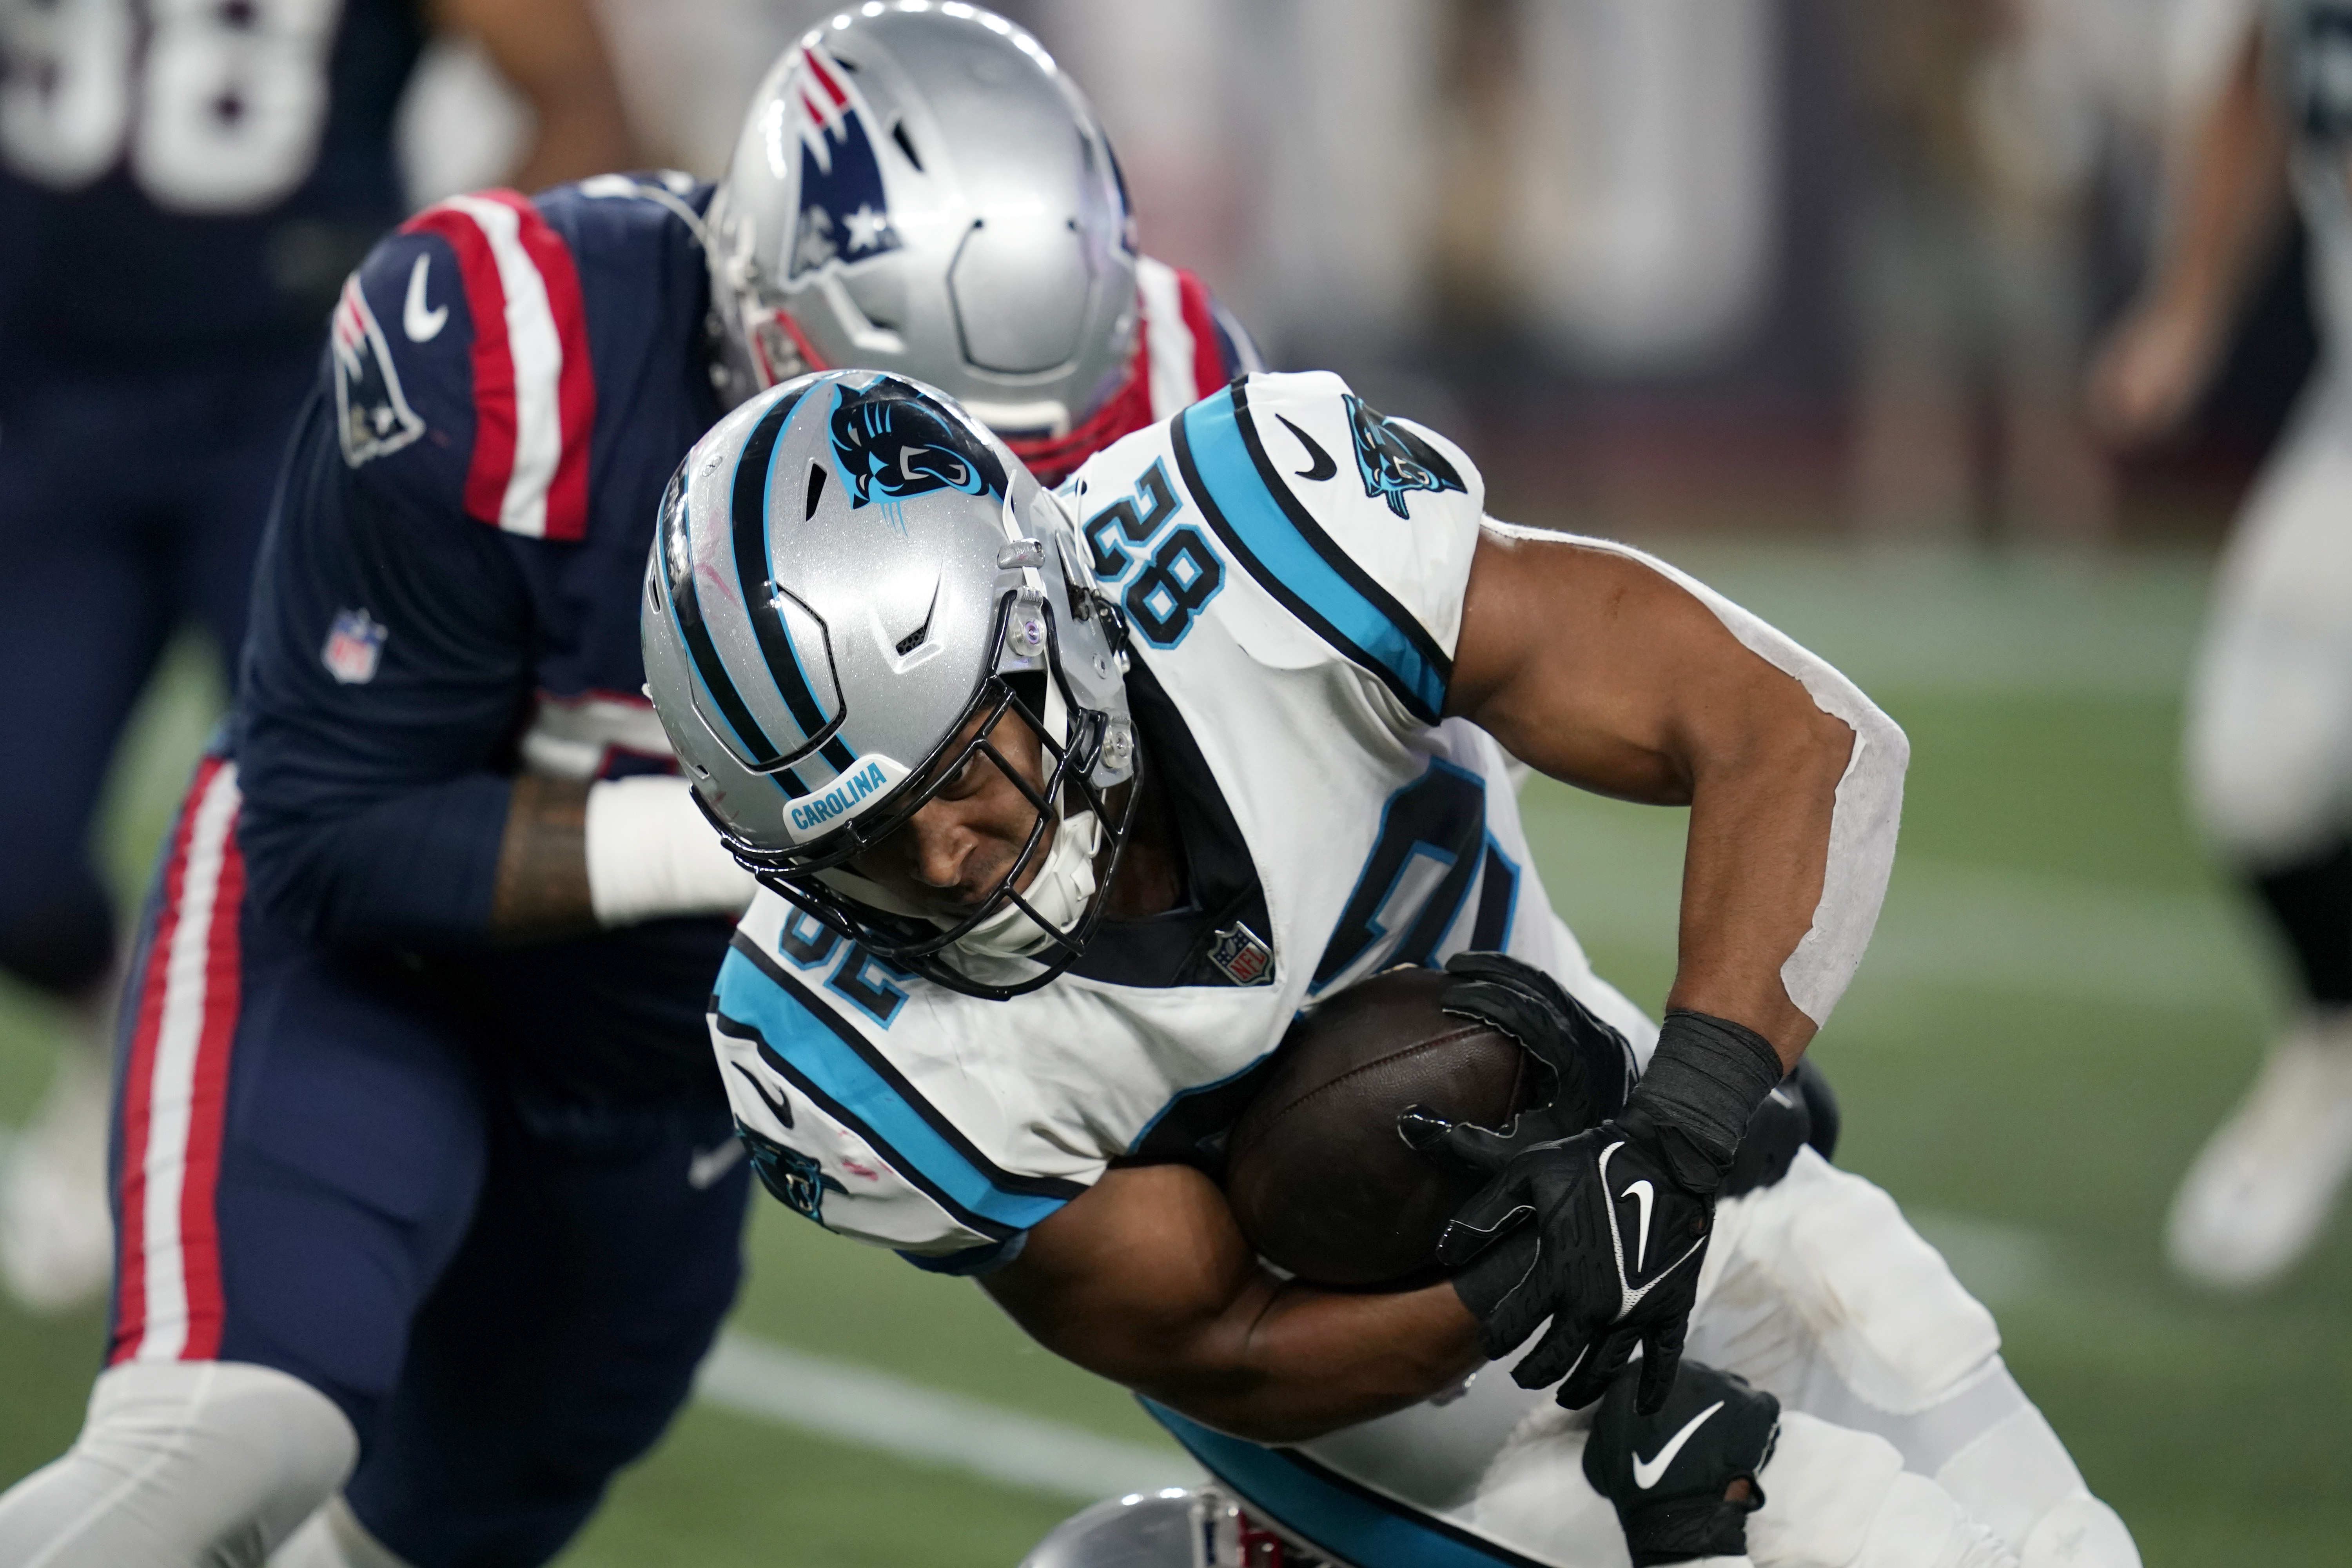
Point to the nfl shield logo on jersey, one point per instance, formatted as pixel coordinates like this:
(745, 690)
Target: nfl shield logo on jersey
(1243, 956)
(355, 645)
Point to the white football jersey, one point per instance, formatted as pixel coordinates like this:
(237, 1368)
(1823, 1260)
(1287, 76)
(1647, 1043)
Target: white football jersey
(1292, 564)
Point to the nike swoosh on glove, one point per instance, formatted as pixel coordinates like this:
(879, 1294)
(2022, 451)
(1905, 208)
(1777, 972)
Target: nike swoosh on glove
(1617, 1240)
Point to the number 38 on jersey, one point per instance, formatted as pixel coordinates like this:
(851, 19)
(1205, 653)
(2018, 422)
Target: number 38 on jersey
(216, 106)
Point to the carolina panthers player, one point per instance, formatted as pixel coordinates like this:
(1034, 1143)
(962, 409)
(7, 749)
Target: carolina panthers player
(420, 1159)
(183, 188)
(1066, 803)
(2269, 745)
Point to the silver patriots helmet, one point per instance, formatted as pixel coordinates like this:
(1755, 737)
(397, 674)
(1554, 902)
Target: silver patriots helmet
(853, 584)
(919, 189)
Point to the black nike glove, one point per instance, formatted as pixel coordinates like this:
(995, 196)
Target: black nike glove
(1667, 1472)
(1588, 1066)
(1620, 1212)
(1617, 1244)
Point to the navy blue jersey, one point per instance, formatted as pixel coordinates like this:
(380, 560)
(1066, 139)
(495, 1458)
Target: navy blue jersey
(182, 178)
(449, 594)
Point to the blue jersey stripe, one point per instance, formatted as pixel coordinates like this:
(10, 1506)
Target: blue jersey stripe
(1351, 1522)
(830, 1058)
(1274, 539)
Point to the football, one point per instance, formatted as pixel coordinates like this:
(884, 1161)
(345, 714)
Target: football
(1315, 1170)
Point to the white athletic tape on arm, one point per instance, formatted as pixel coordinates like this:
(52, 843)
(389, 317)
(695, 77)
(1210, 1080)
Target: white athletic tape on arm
(1868, 808)
(651, 853)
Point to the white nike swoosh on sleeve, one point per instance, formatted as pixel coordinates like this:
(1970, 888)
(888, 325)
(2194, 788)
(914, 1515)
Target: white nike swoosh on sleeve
(1646, 1472)
(705, 1166)
(421, 324)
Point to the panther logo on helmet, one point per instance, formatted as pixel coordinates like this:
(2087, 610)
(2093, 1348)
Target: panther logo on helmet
(1392, 459)
(892, 443)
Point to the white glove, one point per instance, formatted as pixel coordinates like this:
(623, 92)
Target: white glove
(651, 853)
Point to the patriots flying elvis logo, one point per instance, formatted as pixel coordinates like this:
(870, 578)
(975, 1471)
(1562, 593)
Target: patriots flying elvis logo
(891, 444)
(844, 215)
(1392, 459)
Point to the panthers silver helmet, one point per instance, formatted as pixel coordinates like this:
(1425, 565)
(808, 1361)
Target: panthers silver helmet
(851, 585)
(919, 189)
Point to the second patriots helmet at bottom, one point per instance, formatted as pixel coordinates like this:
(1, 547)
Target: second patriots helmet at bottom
(858, 604)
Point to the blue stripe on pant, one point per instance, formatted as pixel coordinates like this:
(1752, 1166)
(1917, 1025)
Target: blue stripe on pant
(1351, 1522)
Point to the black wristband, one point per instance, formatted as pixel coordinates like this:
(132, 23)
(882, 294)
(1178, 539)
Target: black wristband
(1705, 1080)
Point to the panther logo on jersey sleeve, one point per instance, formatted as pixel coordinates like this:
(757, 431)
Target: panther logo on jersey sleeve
(1393, 460)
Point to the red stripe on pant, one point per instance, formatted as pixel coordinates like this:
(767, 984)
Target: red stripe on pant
(182, 1052)
(208, 1112)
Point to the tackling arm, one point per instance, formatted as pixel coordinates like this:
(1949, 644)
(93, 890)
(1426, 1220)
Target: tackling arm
(1147, 1281)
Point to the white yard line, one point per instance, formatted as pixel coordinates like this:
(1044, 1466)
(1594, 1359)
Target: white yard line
(873, 1409)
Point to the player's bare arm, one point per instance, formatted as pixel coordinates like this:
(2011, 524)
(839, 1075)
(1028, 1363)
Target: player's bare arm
(1147, 1281)
(1608, 671)
(1597, 669)
(552, 52)
(2232, 195)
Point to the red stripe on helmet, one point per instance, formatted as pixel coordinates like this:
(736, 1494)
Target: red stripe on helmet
(1209, 373)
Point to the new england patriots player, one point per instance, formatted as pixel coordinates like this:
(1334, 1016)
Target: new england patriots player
(183, 188)
(1064, 802)
(421, 1156)
(2269, 743)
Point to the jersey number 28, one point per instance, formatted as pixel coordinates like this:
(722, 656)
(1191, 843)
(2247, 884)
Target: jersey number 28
(220, 112)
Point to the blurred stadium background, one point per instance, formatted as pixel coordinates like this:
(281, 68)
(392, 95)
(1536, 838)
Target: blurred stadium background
(1798, 293)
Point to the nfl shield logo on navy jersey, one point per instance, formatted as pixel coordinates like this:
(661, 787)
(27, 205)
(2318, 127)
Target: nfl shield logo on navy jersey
(354, 646)
(1241, 956)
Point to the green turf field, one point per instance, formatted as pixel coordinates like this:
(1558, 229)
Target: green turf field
(2060, 1001)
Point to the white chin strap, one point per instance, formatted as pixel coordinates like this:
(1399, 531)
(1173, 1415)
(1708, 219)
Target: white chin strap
(1059, 893)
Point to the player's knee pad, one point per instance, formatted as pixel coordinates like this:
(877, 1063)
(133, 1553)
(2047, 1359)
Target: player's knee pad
(1666, 1473)
(2081, 1532)
(2269, 748)
(1836, 1497)
(1901, 1332)
(210, 1463)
